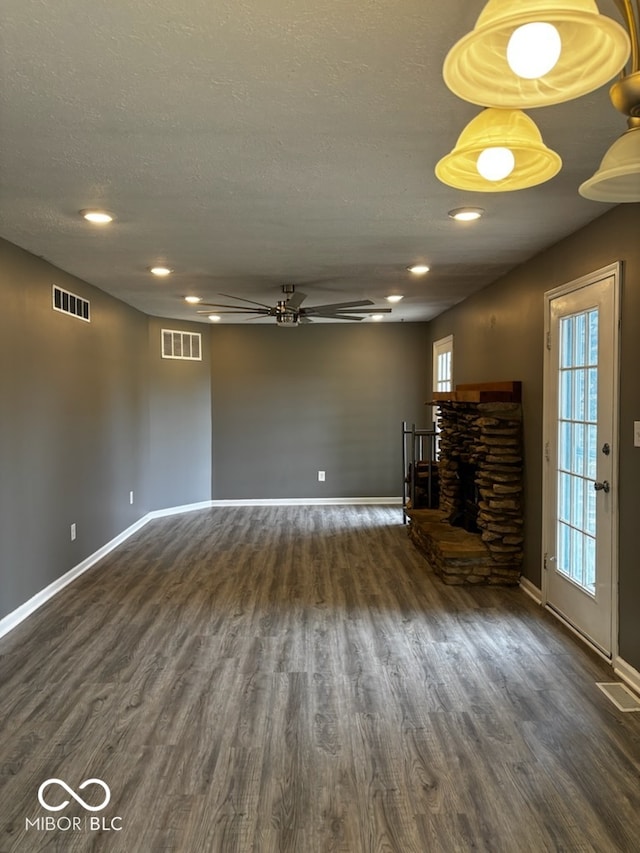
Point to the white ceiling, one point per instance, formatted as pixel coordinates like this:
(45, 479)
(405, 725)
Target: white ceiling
(253, 143)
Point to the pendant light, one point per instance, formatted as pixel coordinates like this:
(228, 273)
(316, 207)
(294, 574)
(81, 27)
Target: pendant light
(499, 150)
(533, 53)
(618, 178)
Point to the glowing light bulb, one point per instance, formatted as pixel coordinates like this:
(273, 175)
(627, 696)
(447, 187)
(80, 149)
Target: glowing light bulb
(494, 164)
(533, 50)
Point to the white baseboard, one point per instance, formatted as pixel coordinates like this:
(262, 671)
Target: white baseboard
(13, 619)
(531, 590)
(177, 510)
(627, 673)
(375, 501)
(393, 501)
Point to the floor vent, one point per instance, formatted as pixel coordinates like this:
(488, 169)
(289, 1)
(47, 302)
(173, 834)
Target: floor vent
(623, 698)
(186, 346)
(69, 303)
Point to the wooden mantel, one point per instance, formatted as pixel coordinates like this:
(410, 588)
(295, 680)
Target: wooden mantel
(480, 392)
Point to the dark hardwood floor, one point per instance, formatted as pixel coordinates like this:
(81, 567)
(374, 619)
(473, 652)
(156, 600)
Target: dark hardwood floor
(295, 679)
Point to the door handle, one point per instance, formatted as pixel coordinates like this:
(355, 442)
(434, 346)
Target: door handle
(602, 487)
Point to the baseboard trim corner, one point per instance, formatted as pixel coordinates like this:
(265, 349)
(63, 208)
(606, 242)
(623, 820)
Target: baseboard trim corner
(531, 590)
(627, 673)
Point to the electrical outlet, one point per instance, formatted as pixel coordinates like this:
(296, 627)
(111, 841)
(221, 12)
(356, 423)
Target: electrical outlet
(636, 433)
(130, 497)
(73, 532)
(321, 476)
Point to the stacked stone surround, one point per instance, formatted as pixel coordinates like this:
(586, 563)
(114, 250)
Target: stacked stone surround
(489, 436)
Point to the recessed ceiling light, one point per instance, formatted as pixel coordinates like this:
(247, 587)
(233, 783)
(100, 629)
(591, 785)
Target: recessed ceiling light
(214, 318)
(466, 214)
(395, 297)
(98, 217)
(419, 269)
(160, 271)
(377, 317)
(193, 300)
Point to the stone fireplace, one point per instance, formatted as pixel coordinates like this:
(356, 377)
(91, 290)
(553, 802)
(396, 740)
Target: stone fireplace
(476, 535)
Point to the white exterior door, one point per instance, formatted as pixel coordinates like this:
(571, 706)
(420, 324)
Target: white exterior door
(581, 380)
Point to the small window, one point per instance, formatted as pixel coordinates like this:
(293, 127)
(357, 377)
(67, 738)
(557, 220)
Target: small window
(184, 346)
(69, 303)
(442, 375)
(443, 364)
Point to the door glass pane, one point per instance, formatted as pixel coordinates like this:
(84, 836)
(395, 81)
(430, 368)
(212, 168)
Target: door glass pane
(566, 394)
(593, 337)
(577, 448)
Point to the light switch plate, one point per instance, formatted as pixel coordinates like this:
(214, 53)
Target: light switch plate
(636, 433)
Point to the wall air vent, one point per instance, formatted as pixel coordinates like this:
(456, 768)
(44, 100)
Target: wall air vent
(69, 303)
(186, 346)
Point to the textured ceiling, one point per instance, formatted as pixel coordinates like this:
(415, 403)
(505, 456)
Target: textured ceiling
(253, 143)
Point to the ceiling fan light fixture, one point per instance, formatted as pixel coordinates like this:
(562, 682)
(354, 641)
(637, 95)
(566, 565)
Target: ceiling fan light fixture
(593, 49)
(287, 318)
(534, 163)
(618, 178)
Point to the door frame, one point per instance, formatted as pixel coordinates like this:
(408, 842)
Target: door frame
(548, 436)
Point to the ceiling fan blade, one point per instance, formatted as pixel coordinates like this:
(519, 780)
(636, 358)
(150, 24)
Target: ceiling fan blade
(261, 311)
(232, 307)
(295, 300)
(305, 320)
(242, 299)
(336, 306)
(337, 317)
(363, 311)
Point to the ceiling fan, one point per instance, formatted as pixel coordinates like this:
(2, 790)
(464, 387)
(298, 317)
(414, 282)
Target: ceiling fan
(288, 310)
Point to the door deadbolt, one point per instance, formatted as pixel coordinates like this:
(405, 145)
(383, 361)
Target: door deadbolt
(602, 487)
(606, 449)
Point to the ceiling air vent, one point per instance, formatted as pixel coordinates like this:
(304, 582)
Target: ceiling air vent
(69, 303)
(186, 346)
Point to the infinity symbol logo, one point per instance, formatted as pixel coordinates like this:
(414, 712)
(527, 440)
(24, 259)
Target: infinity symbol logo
(78, 799)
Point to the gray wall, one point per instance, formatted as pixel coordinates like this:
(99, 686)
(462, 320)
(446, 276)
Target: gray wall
(498, 334)
(288, 402)
(179, 448)
(88, 413)
(73, 424)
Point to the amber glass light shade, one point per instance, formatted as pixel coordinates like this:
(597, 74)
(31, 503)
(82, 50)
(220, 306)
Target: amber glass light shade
(513, 129)
(594, 49)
